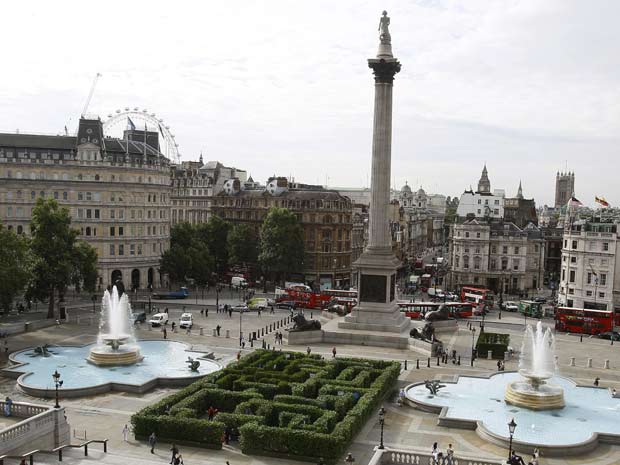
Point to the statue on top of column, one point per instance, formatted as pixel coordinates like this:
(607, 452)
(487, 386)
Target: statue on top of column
(384, 32)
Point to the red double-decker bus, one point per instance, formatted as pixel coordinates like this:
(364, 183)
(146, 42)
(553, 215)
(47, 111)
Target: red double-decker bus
(417, 310)
(315, 300)
(476, 295)
(584, 320)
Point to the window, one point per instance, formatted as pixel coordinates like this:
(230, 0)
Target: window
(574, 245)
(604, 262)
(535, 247)
(589, 278)
(89, 213)
(605, 246)
(139, 249)
(565, 243)
(80, 195)
(55, 195)
(111, 249)
(589, 293)
(478, 235)
(496, 211)
(65, 196)
(465, 262)
(476, 263)
(571, 290)
(120, 230)
(467, 234)
(515, 264)
(573, 259)
(477, 250)
(603, 279)
(563, 274)
(88, 230)
(457, 261)
(33, 194)
(112, 230)
(517, 250)
(505, 249)
(479, 202)
(504, 264)
(96, 214)
(571, 278)
(496, 202)
(112, 214)
(601, 295)
(121, 249)
(493, 249)
(80, 213)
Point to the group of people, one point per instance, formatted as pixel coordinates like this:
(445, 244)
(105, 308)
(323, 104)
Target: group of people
(518, 460)
(439, 458)
(279, 337)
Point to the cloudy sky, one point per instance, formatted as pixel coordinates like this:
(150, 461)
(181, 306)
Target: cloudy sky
(282, 87)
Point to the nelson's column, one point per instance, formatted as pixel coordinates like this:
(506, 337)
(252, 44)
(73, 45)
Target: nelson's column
(377, 309)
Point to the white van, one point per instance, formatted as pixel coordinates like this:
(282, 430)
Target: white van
(258, 303)
(159, 319)
(186, 321)
(238, 281)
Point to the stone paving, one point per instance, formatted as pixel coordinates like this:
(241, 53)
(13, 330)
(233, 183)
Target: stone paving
(104, 416)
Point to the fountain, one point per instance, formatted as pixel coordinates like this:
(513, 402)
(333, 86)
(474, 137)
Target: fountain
(536, 365)
(116, 344)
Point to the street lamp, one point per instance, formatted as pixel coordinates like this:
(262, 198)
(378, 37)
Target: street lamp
(511, 428)
(57, 383)
(381, 422)
(473, 336)
(349, 458)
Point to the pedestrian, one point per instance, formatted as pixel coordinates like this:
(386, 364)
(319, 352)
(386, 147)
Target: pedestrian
(189, 331)
(308, 350)
(202, 311)
(449, 455)
(125, 433)
(175, 450)
(217, 329)
(152, 442)
(229, 312)
(401, 396)
(173, 326)
(178, 460)
(166, 311)
(165, 332)
(259, 313)
(334, 352)
(206, 312)
(435, 454)
(211, 412)
(238, 355)
(596, 381)
(7, 406)
(613, 392)
(499, 365)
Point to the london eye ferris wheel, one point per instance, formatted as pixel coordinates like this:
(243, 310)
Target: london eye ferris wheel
(118, 121)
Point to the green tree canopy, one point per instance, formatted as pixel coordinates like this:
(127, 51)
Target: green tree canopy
(281, 243)
(15, 266)
(59, 258)
(242, 245)
(215, 234)
(188, 257)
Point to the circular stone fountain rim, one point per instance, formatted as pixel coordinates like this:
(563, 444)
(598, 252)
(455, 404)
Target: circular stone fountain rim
(557, 450)
(171, 381)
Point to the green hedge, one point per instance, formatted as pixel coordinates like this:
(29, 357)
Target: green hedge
(282, 404)
(497, 343)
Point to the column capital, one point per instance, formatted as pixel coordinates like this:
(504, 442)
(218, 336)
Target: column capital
(384, 70)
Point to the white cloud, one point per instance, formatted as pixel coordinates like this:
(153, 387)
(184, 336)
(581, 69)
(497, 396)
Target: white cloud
(283, 87)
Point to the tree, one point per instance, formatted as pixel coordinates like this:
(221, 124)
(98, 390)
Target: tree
(281, 243)
(188, 255)
(242, 245)
(15, 266)
(215, 234)
(59, 258)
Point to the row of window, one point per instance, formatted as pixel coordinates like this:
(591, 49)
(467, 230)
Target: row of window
(486, 202)
(119, 214)
(592, 245)
(44, 175)
(591, 261)
(132, 249)
(283, 203)
(477, 261)
(81, 195)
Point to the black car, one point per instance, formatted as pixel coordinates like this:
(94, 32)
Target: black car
(290, 304)
(609, 335)
(540, 299)
(138, 317)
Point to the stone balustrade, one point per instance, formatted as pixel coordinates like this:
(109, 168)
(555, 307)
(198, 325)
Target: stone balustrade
(396, 457)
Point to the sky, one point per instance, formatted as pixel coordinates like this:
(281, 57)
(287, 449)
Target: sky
(282, 87)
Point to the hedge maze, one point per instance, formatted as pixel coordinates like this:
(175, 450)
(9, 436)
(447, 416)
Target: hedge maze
(280, 404)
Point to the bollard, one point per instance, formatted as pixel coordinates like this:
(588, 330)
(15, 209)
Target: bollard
(228, 333)
(214, 332)
(428, 362)
(489, 355)
(251, 342)
(589, 363)
(572, 362)
(262, 332)
(417, 364)
(405, 364)
(60, 455)
(606, 366)
(268, 346)
(86, 450)
(202, 332)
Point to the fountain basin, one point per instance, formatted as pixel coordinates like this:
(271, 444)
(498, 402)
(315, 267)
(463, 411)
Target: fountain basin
(104, 356)
(534, 396)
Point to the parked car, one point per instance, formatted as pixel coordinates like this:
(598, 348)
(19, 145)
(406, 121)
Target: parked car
(290, 304)
(186, 321)
(138, 317)
(540, 299)
(159, 319)
(511, 306)
(271, 302)
(240, 308)
(609, 335)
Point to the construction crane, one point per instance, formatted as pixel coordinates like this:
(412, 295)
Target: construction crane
(90, 94)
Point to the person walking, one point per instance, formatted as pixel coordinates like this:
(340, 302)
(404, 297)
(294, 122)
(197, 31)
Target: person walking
(206, 312)
(596, 381)
(178, 460)
(152, 442)
(334, 352)
(173, 326)
(259, 313)
(175, 450)
(308, 350)
(165, 332)
(217, 329)
(435, 454)
(8, 402)
(125, 433)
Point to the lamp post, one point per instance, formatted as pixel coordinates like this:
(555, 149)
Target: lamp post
(57, 383)
(381, 422)
(511, 428)
(349, 459)
(473, 336)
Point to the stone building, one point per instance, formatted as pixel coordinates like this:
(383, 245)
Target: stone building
(519, 210)
(325, 215)
(590, 277)
(497, 255)
(117, 192)
(482, 203)
(564, 188)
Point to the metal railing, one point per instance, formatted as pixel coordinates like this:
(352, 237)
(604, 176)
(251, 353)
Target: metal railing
(396, 457)
(30, 455)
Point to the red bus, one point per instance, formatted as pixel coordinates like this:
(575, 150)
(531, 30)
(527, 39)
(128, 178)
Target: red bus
(417, 310)
(308, 299)
(476, 295)
(584, 321)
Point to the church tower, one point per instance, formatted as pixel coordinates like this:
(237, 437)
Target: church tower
(564, 188)
(484, 185)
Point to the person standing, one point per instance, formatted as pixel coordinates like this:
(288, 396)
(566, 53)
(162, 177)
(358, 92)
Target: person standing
(152, 442)
(449, 455)
(165, 332)
(308, 350)
(334, 352)
(217, 329)
(125, 433)
(206, 312)
(175, 450)
(435, 454)
(596, 381)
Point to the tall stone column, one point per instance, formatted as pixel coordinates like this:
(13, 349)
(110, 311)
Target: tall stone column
(377, 309)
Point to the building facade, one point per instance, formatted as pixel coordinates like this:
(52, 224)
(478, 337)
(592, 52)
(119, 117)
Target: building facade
(325, 215)
(589, 271)
(564, 188)
(116, 190)
(482, 203)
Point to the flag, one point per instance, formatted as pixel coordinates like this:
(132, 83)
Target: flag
(130, 124)
(602, 201)
(573, 202)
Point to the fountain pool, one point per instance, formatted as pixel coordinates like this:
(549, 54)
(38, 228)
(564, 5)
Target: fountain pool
(164, 363)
